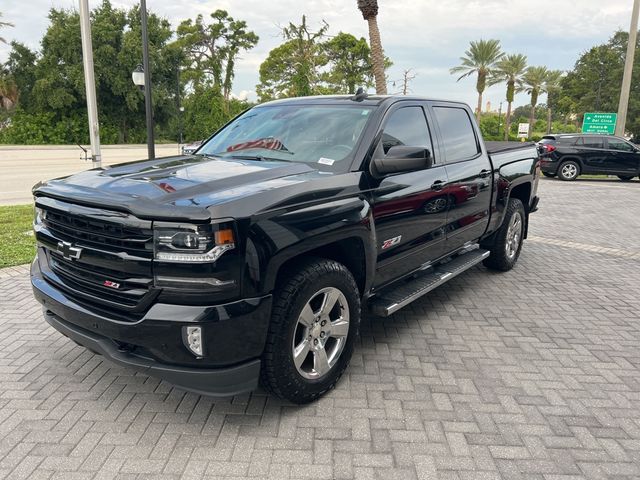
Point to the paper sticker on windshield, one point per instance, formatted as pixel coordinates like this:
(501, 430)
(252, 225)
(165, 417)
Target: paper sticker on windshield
(326, 161)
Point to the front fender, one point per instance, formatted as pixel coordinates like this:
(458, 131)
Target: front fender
(280, 239)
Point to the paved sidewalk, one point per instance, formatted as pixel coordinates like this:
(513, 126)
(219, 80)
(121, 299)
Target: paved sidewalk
(533, 374)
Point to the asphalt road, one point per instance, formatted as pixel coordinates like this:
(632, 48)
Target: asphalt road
(533, 374)
(22, 167)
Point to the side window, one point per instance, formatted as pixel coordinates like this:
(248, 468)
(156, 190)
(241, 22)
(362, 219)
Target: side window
(458, 137)
(619, 145)
(591, 142)
(406, 126)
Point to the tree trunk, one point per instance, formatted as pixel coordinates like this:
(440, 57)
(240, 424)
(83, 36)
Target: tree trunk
(377, 56)
(532, 119)
(507, 122)
(479, 109)
(548, 119)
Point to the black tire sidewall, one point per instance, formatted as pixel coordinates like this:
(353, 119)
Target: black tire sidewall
(498, 259)
(283, 377)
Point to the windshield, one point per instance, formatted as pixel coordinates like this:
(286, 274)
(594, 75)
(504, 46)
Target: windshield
(324, 135)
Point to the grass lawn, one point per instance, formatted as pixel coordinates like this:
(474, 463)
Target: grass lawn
(17, 243)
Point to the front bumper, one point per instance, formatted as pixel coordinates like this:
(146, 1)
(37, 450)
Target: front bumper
(234, 337)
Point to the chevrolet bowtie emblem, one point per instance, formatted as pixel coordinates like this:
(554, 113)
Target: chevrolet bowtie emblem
(68, 251)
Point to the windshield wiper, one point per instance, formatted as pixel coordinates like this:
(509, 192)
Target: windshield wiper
(260, 158)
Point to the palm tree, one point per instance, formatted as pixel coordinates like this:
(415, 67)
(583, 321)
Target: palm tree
(369, 9)
(534, 83)
(510, 70)
(481, 59)
(4, 24)
(552, 86)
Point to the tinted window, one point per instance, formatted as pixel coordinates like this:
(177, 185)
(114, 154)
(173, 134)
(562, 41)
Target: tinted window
(457, 133)
(615, 144)
(406, 126)
(567, 140)
(591, 142)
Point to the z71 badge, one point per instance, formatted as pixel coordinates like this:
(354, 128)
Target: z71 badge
(391, 242)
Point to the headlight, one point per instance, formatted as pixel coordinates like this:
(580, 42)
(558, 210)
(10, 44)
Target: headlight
(193, 243)
(38, 216)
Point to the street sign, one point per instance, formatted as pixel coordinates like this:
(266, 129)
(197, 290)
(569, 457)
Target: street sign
(523, 130)
(603, 123)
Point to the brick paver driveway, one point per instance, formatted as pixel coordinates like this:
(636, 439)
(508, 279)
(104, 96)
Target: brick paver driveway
(530, 374)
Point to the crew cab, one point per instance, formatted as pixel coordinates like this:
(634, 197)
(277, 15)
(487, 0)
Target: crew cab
(570, 155)
(254, 258)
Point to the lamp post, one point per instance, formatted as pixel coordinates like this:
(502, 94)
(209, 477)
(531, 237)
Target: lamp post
(499, 118)
(147, 80)
(623, 104)
(90, 83)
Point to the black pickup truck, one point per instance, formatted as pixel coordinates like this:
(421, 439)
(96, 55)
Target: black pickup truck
(253, 258)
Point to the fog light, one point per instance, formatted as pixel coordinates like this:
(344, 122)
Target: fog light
(193, 339)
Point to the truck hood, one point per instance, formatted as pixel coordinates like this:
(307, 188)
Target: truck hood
(179, 187)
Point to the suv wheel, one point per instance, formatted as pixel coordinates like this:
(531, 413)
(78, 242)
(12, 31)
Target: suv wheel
(568, 170)
(508, 241)
(315, 320)
(625, 178)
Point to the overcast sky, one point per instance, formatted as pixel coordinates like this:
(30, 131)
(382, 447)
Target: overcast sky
(427, 36)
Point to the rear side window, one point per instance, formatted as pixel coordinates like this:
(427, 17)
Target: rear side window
(591, 142)
(406, 126)
(458, 137)
(567, 140)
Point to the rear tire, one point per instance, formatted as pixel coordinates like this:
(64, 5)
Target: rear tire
(314, 324)
(568, 170)
(625, 178)
(548, 175)
(508, 240)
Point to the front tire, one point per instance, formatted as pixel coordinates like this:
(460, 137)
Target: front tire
(625, 178)
(568, 171)
(314, 324)
(508, 241)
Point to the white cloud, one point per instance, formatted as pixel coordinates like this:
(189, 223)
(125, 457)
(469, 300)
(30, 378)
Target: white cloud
(425, 35)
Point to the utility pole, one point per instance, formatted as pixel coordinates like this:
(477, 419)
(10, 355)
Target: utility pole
(147, 81)
(90, 83)
(628, 70)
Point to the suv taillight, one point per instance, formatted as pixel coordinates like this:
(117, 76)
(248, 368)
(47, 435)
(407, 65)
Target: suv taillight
(548, 148)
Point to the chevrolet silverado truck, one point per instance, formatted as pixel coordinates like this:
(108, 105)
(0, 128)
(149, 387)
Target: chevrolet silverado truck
(252, 260)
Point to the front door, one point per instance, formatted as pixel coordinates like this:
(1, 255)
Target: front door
(410, 208)
(622, 158)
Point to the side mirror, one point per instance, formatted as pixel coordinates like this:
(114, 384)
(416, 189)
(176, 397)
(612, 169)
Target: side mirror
(402, 158)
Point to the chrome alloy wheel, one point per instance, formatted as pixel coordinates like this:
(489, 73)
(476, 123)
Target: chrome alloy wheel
(321, 333)
(569, 170)
(514, 233)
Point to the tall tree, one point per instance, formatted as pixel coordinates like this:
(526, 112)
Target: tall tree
(369, 10)
(553, 89)
(350, 63)
(2, 25)
(21, 68)
(480, 59)
(212, 49)
(509, 70)
(534, 83)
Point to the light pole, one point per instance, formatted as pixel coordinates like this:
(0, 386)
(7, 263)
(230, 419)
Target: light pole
(90, 83)
(628, 70)
(147, 80)
(499, 118)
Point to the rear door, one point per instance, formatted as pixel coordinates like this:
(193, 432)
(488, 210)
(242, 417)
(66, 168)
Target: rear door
(468, 188)
(623, 158)
(408, 209)
(592, 152)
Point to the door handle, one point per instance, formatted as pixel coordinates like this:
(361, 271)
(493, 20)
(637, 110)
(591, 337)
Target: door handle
(484, 173)
(437, 185)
